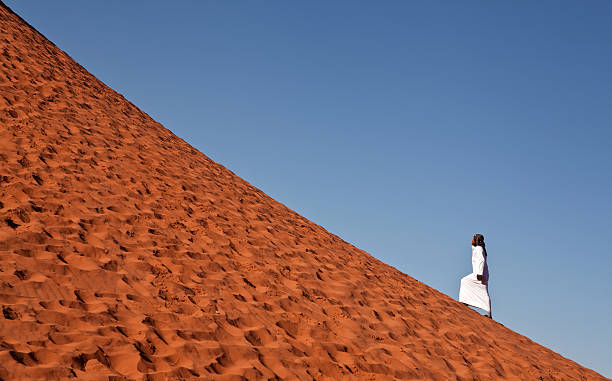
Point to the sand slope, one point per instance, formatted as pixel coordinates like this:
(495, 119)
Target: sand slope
(126, 253)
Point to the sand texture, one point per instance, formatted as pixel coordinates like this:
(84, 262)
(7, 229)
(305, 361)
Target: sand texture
(125, 253)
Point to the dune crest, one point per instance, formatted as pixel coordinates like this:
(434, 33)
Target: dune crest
(125, 253)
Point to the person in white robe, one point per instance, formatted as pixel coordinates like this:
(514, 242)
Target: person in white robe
(474, 289)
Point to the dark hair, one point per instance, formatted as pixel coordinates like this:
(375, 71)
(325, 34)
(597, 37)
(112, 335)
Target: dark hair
(478, 240)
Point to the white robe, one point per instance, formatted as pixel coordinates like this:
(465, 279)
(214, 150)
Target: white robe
(474, 292)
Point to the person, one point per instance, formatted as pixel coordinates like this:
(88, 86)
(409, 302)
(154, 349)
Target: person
(474, 289)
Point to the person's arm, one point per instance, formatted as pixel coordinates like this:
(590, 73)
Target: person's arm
(479, 264)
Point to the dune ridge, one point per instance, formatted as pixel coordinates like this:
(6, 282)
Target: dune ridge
(125, 253)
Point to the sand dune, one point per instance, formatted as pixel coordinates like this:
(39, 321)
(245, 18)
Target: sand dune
(127, 254)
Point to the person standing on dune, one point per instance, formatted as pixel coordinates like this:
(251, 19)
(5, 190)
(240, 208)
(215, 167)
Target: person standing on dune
(474, 289)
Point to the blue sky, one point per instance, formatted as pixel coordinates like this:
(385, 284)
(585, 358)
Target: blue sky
(403, 127)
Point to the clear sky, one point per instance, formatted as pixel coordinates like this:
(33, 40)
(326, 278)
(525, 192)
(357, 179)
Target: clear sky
(402, 127)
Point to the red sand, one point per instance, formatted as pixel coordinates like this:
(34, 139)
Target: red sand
(126, 253)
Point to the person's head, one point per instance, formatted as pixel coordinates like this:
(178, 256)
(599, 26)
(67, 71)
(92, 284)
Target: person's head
(478, 240)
